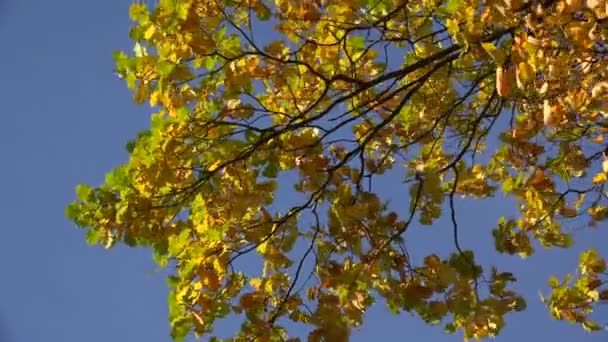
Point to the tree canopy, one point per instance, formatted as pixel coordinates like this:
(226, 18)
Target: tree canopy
(273, 119)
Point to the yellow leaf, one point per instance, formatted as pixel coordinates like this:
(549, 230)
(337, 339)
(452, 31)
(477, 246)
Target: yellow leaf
(452, 26)
(256, 283)
(149, 32)
(141, 93)
(263, 247)
(599, 178)
(525, 73)
(155, 98)
(215, 165)
(497, 54)
(594, 295)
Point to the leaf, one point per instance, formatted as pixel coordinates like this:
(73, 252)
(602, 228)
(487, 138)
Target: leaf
(554, 282)
(591, 326)
(119, 177)
(177, 243)
(210, 63)
(140, 50)
(139, 12)
(121, 59)
(131, 78)
(183, 113)
(165, 68)
(73, 211)
(525, 74)
(271, 170)
(453, 6)
(358, 43)
(497, 54)
(520, 304)
(141, 93)
(599, 178)
(453, 27)
(150, 31)
(503, 82)
(84, 192)
(216, 233)
(94, 237)
(215, 165)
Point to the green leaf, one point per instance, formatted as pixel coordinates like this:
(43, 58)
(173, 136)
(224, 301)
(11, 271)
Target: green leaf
(198, 210)
(216, 233)
(130, 146)
(210, 63)
(129, 239)
(172, 282)
(183, 113)
(180, 329)
(131, 79)
(160, 256)
(94, 236)
(119, 177)
(553, 282)
(121, 60)
(177, 243)
(271, 170)
(263, 13)
(451, 328)
(453, 6)
(139, 12)
(221, 33)
(84, 192)
(165, 68)
(591, 326)
(73, 210)
(358, 43)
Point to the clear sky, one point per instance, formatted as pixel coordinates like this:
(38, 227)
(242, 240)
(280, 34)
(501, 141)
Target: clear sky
(65, 120)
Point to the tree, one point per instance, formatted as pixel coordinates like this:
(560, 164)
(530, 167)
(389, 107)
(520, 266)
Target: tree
(311, 101)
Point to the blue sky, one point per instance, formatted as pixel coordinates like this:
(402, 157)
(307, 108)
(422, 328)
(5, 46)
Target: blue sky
(65, 120)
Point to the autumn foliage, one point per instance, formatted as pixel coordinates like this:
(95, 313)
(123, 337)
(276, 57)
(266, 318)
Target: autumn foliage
(273, 119)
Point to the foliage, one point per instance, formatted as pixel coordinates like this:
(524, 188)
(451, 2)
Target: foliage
(274, 118)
